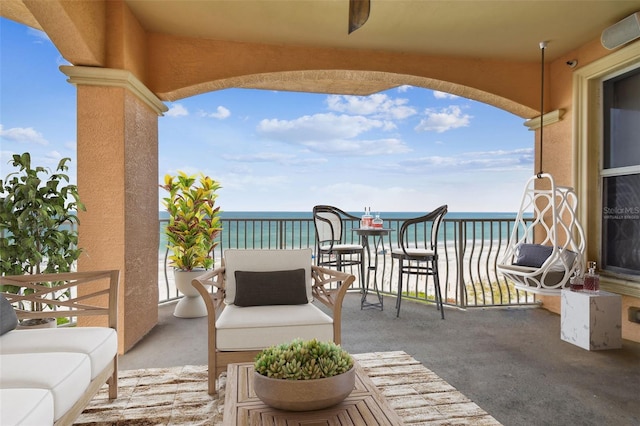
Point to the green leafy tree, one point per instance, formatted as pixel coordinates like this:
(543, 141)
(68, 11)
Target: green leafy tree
(194, 221)
(37, 220)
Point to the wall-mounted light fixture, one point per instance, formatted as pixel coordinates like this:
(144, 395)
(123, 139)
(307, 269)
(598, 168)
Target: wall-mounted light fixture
(621, 32)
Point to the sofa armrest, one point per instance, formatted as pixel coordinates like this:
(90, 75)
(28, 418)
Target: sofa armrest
(70, 295)
(331, 297)
(65, 295)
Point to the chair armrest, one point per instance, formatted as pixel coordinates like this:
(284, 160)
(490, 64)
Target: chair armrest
(213, 278)
(322, 291)
(332, 298)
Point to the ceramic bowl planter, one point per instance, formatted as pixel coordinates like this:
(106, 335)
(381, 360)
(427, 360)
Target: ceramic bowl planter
(303, 375)
(304, 395)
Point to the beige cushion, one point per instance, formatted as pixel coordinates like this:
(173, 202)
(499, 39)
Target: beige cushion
(413, 251)
(66, 375)
(28, 407)
(264, 260)
(99, 343)
(257, 327)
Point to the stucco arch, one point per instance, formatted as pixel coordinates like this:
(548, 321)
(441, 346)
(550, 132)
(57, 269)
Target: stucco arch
(356, 82)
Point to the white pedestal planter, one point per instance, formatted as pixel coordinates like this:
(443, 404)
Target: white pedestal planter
(191, 305)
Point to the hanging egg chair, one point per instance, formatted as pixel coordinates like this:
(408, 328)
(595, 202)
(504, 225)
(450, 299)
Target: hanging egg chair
(545, 251)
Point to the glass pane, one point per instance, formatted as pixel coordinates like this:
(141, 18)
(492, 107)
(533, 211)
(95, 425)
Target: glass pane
(622, 120)
(621, 224)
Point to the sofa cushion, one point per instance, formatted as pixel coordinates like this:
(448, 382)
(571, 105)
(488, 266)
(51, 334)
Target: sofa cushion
(270, 288)
(66, 375)
(8, 317)
(99, 343)
(261, 261)
(258, 327)
(28, 407)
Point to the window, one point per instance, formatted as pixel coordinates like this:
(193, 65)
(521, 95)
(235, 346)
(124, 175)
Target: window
(620, 173)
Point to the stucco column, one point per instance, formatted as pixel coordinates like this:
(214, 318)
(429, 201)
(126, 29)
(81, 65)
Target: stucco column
(118, 182)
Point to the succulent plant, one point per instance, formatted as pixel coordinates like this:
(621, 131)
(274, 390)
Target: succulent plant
(303, 360)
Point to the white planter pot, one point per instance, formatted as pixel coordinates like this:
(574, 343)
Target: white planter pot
(191, 305)
(31, 324)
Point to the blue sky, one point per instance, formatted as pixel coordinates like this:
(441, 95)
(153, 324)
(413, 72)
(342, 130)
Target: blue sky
(405, 149)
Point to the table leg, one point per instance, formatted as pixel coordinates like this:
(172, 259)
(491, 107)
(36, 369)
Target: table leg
(377, 243)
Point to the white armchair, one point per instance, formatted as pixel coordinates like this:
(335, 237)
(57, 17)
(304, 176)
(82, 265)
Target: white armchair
(263, 298)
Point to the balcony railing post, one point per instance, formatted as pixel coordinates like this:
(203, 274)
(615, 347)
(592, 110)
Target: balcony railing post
(460, 249)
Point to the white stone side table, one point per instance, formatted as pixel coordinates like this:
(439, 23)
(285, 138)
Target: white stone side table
(592, 321)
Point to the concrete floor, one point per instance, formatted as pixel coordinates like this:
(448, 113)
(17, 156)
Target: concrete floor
(511, 362)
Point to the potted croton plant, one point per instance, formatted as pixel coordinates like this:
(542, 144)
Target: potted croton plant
(38, 232)
(194, 224)
(303, 375)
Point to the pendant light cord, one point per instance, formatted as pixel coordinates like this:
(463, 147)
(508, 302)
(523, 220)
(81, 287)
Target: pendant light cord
(543, 45)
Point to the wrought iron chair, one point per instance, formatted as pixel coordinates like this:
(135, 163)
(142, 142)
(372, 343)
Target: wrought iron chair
(419, 256)
(332, 248)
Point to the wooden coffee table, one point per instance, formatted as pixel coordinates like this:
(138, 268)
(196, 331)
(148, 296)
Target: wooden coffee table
(364, 406)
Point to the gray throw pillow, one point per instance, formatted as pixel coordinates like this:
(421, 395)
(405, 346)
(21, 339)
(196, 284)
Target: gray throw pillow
(270, 288)
(532, 255)
(8, 317)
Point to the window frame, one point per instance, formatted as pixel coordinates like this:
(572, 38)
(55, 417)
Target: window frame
(587, 155)
(611, 170)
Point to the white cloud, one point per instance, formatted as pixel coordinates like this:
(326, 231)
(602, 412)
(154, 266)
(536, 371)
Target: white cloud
(40, 35)
(221, 113)
(377, 105)
(444, 95)
(318, 127)
(272, 157)
(177, 110)
(333, 134)
(23, 135)
(358, 147)
(441, 120)
(501, 160)
(54, 156)
(404, 88)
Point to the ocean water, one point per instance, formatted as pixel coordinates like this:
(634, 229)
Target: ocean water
(279, 229)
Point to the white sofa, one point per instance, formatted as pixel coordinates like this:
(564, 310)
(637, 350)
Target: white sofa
(48, 375)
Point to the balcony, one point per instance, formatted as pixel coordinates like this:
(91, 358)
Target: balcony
(495, 345)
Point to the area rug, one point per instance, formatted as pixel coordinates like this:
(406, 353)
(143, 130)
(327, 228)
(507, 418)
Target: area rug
(178, 396)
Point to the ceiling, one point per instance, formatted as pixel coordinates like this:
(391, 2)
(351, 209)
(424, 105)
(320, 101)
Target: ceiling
(503, 30)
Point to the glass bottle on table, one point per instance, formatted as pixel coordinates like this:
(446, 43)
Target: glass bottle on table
(367, 219)
(377, 221)
(577, 282)
(591, 279)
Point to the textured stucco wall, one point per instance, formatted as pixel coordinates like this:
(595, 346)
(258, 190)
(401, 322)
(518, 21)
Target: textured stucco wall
(117, 180)
(559, 160)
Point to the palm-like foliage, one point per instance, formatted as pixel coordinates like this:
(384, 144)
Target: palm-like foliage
(194, 221)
